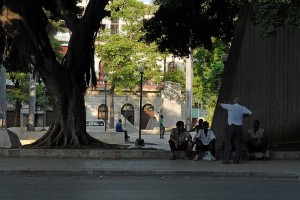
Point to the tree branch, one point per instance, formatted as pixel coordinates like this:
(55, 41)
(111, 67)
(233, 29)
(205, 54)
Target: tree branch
(70, 19)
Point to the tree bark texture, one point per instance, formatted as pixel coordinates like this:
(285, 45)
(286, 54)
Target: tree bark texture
(24, 23)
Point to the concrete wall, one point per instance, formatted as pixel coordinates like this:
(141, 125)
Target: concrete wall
(265, 73)
(172, 105)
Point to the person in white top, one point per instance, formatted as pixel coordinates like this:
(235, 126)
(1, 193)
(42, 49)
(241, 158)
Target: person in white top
(205, 140)
(236, 113)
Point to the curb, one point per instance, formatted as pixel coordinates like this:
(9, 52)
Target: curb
(137, 153)
(141, 173)
(86, 153)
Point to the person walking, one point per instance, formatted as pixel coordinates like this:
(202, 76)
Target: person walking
(161, 127)
(236, 113)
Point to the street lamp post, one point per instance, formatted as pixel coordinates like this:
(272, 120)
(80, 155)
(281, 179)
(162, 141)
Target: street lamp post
(44, 110)
(126, 110)
(139, 141)
(3, 106)
(105, 78)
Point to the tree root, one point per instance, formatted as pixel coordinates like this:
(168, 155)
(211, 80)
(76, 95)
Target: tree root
(55, 138)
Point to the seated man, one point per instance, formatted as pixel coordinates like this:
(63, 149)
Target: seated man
(197, 128)
(120, 129)
(205, 140)
(180, 140)
(257, 141)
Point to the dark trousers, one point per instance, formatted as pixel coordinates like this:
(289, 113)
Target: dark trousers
(254, 146)
(126, 134)
(161, 131)
(210, 147)
(182, 147)
(234, 133)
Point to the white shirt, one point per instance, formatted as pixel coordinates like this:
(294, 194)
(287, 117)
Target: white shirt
(236, 113)
(205, 139)
(258, 134)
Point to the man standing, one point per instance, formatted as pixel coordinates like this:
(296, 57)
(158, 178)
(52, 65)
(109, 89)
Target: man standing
(236, 113)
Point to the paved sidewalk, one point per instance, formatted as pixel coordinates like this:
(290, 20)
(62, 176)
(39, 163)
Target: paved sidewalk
(151, 160)
(161, 168)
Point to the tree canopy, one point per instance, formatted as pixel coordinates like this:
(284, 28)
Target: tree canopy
(122, 54)
(178, 26)
(270, 16)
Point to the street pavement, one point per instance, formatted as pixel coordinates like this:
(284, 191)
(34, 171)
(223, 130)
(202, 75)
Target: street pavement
(96, 164)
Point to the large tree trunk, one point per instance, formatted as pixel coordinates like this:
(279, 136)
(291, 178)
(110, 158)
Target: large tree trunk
(24, 23)
(68, 128)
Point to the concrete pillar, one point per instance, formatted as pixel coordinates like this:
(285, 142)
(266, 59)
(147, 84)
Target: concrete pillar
(32, 100)
(189, 91)
(3, 106)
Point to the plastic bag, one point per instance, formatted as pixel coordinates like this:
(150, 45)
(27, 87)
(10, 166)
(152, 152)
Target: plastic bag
(207, 156)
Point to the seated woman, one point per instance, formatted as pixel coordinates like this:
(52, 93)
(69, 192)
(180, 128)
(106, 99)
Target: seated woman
(205, 140)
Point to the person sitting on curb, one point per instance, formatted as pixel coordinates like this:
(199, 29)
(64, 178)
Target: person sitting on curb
(120, 129)
(197, 128)
(205, 140)
(257, 141)
(180, 140)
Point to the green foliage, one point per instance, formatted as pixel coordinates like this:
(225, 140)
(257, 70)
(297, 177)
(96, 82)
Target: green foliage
(56, 45)
(43, 99)
(270, 16)
(122, 54)
(21, 87)
(176, 76)
(20, 91)
(208, 70)
(131, 12)
(181, 25)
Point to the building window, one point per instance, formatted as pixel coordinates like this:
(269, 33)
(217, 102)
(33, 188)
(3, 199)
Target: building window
(101, 111)
(127, 111)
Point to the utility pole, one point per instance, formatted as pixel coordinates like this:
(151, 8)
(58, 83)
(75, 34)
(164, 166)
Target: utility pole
(32, 100)
(3, 106)
(189, 90)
